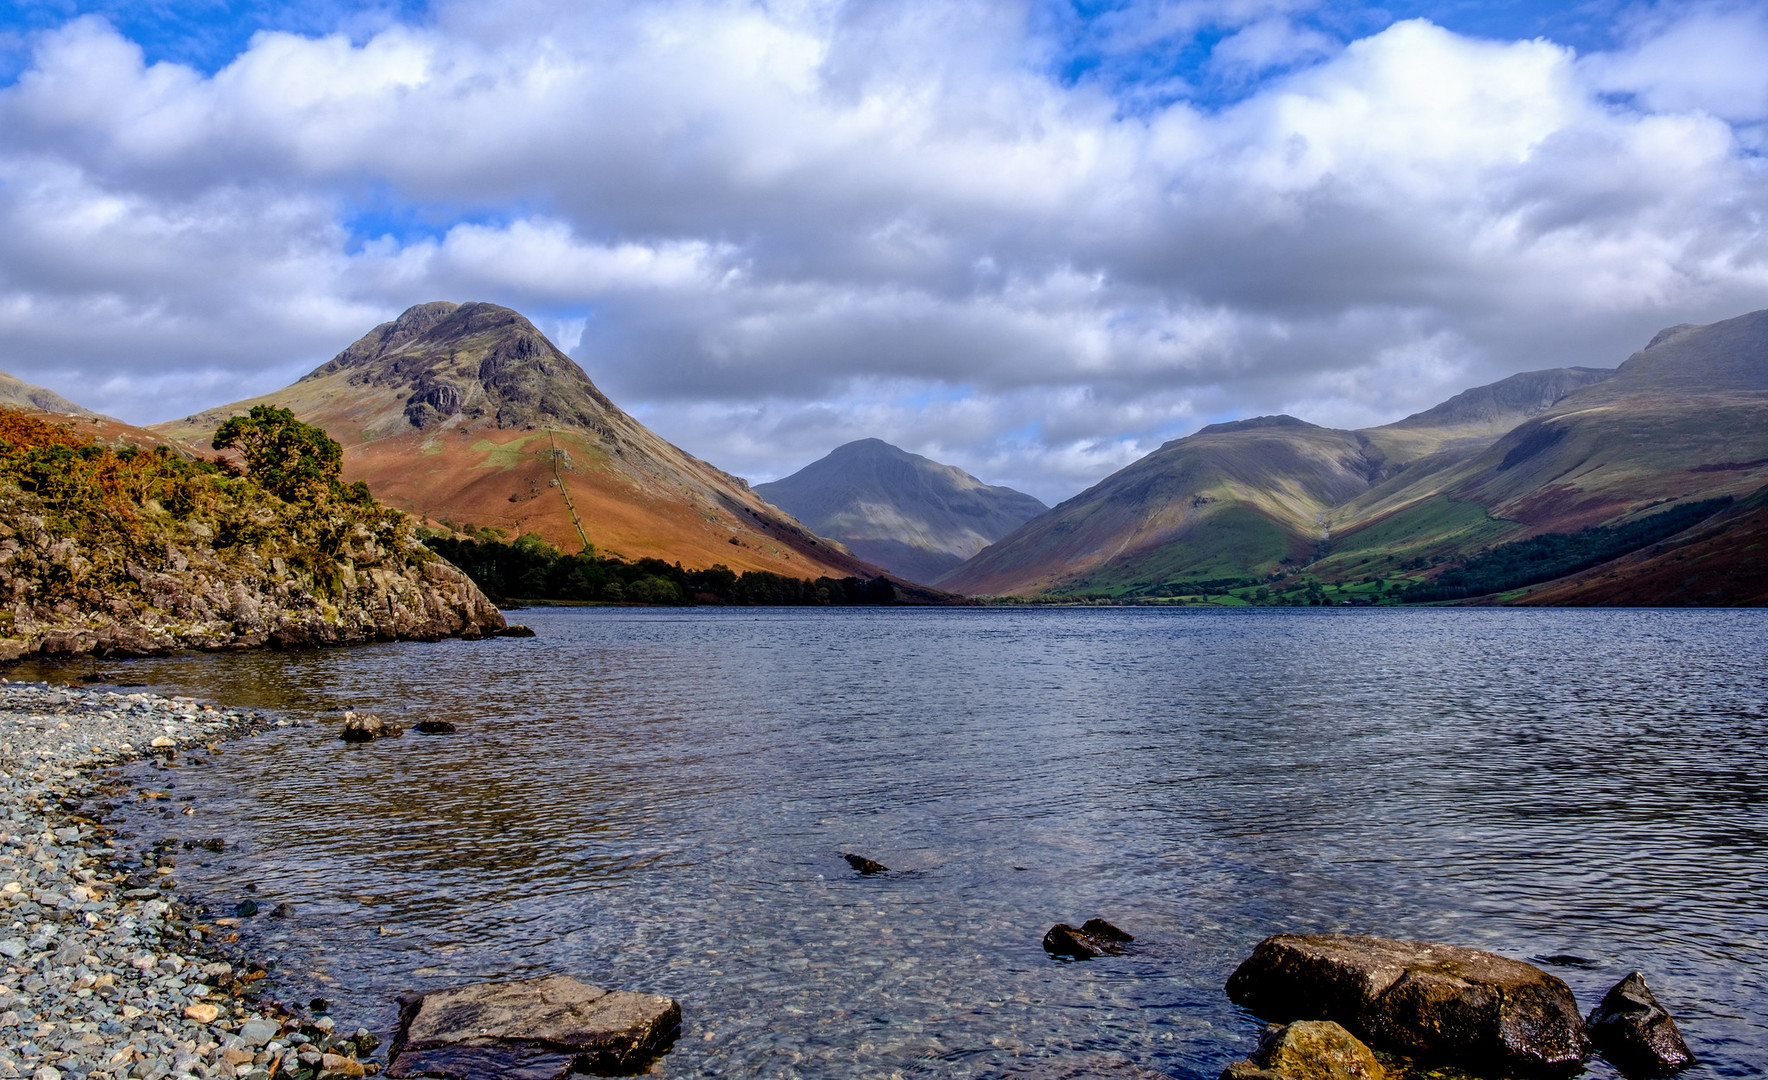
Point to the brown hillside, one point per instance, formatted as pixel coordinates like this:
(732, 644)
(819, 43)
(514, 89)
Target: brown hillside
(1722, 562)
(466, 412)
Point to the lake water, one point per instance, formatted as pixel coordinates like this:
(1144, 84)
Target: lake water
(659, 799)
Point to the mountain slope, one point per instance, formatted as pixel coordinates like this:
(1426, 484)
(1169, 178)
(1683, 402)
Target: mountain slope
(1244, 499)
(1723, 561)
(1233, 499)
(467, 412)
(1684, 419)
(15, 393)
(907, 513)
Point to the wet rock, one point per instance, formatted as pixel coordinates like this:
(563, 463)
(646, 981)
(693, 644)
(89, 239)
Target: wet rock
(365, 726)
(515, 630)
(1308, 1050)
(540, 1028)
(1635, 1033)
(434, 727)
(865, 865)
(1425, 999)
(1095, 937)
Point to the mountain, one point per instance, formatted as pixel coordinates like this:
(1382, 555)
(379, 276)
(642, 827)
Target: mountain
(1683, 420)
(904, 512)
(466, 413)
(15, 393)
(1246, 498)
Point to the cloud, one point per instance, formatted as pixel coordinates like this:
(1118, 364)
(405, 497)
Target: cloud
(773, 228)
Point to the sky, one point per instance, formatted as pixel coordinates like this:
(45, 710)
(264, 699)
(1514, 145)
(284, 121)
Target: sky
(1033, 238)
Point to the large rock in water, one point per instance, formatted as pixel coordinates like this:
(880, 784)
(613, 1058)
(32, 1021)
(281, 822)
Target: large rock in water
(1308, 1050)
(1636, 1033)
(1421, 998)
(530, 1029)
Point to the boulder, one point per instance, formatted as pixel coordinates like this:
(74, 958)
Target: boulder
(1095, 937)
(1420, 998)
(435, 727)
(363, 727)
(1635, 1033)
(514, 630)
(1308, 1050)
(530, 1029)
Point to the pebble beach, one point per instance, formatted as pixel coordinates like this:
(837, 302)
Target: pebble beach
(104, 971)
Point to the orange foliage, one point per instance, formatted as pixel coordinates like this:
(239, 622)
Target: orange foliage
(24, 431)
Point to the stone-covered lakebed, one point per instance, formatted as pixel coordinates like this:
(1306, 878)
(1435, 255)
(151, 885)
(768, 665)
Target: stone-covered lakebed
(660, 800)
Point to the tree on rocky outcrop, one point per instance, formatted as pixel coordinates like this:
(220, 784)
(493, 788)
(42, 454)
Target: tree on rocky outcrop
(290, 459)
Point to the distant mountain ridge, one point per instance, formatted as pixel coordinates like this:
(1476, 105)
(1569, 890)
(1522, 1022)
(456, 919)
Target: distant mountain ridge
(15, 393)
(467, 412)
(909, 514)
(1553, 450)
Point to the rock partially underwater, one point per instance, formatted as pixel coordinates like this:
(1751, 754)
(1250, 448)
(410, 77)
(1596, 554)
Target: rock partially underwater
(1419, 998)
(530, 1029)
(1637, 1034)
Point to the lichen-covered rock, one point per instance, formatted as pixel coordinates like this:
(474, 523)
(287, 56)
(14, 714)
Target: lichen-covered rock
(546, 1027)
(1308, 1050)
(1421, 998)
(1635, 1033)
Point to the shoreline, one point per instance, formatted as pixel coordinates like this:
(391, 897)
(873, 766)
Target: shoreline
(104, 972)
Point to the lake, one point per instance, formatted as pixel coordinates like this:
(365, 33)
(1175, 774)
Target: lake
(659, 799)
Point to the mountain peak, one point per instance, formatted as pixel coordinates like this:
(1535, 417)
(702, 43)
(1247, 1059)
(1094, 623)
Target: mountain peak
(1508, 401)
(909, 514)
(472, 362)
(1280, 420)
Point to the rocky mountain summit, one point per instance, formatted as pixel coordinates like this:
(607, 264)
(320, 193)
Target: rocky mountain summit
(909, 514)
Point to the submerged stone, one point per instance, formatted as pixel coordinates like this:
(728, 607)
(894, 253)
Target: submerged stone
(1635, 1033)
(865, 865)
(531, 1028)
(1426, 999)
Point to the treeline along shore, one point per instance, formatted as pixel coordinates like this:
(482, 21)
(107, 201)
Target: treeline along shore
(529, 568)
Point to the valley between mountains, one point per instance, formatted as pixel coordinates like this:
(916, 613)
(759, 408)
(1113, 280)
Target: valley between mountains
(1642, 484)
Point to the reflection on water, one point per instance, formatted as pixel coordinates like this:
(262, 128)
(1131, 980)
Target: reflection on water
(659, 799)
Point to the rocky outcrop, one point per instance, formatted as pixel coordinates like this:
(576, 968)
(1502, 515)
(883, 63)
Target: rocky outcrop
(1425, 999)
(57, 600)
(1637, 1034)
(1308, 1050)
(541, 1028)
(1095, 937)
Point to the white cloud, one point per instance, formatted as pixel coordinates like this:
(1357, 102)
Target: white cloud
(796, 224)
